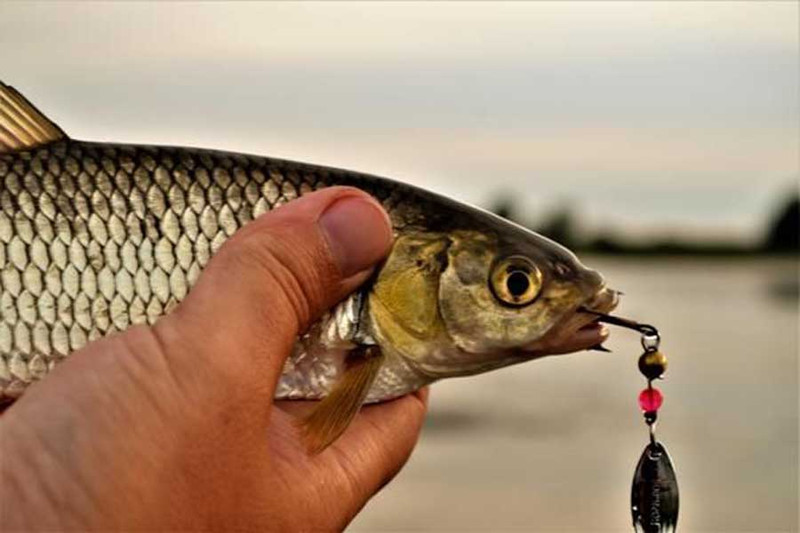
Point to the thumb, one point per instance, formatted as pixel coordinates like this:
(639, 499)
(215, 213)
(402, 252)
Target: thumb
(273, 278)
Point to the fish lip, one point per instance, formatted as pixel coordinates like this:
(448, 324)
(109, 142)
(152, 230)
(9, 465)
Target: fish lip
(591, 334)
(604, 300)
(583, 337)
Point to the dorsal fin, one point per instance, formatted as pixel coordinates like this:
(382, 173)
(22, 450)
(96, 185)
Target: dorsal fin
(22, 126)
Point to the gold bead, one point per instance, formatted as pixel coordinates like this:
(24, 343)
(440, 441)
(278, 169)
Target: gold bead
(653, 364)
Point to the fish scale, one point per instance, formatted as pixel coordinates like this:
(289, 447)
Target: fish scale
(98, 237)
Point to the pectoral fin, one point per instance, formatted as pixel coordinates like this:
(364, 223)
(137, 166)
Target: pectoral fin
(334, 413)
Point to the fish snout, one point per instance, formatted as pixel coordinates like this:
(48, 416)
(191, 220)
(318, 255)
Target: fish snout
(603, 301)
(599, 297)
(591, 281)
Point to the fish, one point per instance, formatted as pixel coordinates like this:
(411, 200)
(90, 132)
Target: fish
(97, 237)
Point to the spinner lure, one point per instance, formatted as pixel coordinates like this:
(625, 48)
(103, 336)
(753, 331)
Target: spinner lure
(654, 493)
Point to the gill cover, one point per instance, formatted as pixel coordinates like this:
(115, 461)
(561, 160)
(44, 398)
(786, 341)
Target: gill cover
(404, 301)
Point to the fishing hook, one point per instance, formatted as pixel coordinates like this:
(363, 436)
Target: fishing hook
(650, 336)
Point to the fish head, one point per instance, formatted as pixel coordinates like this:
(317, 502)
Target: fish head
(521, 293)
(470, 300)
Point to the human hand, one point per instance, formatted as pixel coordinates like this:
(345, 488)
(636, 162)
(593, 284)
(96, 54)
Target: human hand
(173, 427)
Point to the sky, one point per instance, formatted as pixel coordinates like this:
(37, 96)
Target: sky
(649, 119)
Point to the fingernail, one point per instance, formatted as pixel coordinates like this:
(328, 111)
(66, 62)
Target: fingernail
(358, 232)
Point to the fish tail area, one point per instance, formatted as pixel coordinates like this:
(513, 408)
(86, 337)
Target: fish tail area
(22, 126)
(331, 416)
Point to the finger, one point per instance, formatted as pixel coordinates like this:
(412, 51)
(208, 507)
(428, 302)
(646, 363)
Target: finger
(296, 408)
(378, 443)
(273, 278)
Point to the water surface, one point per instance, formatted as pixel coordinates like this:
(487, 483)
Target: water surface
(551, 445)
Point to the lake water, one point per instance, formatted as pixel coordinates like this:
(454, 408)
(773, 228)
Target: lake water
(551, 445)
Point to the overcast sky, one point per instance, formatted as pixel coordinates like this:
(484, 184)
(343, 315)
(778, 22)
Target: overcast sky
(647, 117)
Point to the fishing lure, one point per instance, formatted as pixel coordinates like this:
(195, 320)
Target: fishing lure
(654, 492)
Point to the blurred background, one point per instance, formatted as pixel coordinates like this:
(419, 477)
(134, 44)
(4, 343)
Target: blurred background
(661, 141)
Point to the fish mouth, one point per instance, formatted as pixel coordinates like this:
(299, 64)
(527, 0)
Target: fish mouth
(589, 332)
(581, 330)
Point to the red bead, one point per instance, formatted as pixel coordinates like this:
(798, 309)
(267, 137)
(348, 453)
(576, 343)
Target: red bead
(650, 399)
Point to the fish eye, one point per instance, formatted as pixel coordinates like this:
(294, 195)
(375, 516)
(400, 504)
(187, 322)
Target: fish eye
(516, 281)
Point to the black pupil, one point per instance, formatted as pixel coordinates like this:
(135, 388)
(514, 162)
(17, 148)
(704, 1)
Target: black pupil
(517, 283)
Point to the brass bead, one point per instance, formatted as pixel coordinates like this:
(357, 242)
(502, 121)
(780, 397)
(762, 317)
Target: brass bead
(652, 364)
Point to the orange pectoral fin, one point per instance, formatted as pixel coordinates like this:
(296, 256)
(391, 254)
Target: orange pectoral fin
(330, 418)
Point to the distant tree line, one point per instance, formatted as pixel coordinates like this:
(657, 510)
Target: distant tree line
(784, 229)
(782, 237)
